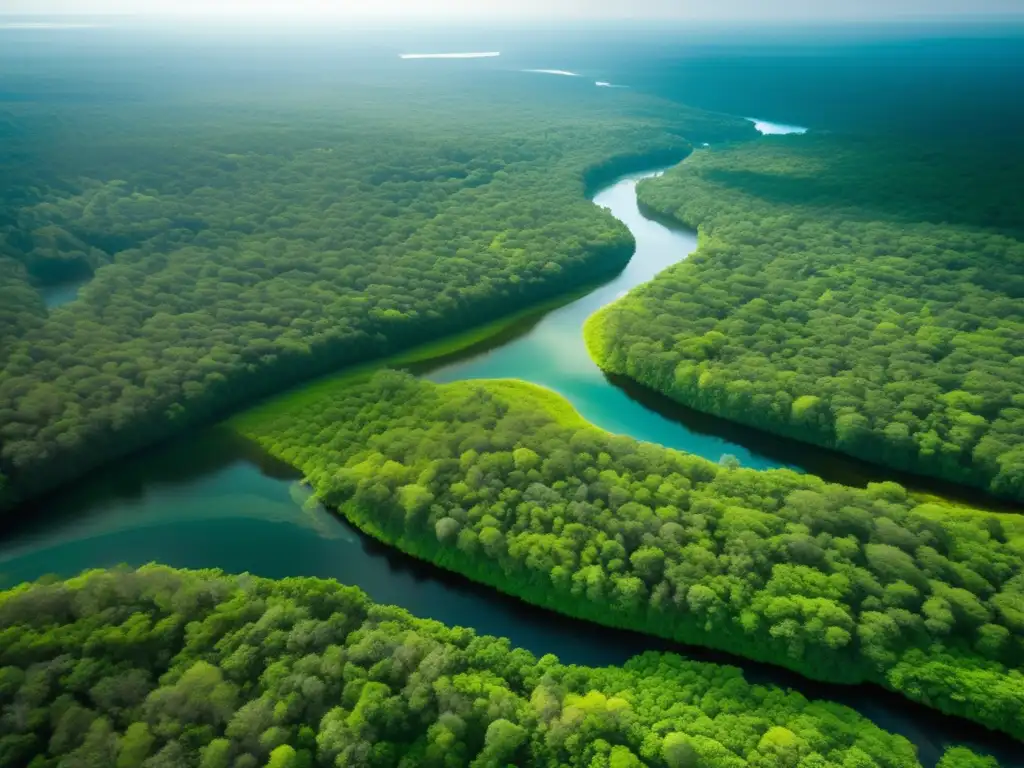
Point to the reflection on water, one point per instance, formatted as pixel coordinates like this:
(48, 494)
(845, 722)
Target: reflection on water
(213, 500)
(830, 465)
(548, 349)
(775, 129)
(212, 475)
(551, 351)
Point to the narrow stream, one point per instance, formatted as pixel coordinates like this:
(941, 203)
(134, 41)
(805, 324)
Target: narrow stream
(213, 500)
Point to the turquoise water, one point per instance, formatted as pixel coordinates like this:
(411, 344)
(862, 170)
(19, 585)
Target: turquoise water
(212, 500)
(552, 353)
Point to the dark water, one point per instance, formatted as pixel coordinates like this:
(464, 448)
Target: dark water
(212, 500)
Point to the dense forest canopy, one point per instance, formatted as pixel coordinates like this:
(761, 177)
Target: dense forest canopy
(159, 668)
(853, 294)
(243, 241)
(503, 482)
(246, 225)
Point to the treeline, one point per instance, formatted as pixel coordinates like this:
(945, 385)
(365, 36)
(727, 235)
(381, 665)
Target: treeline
(503, 482)
(159, 668)
(252, 242)
(859, 297)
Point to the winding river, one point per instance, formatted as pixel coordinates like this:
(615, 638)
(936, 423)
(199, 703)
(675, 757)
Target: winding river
(552, 352)
(213, 500)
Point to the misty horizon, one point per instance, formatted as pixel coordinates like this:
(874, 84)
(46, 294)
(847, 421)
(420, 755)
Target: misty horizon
(401, 12)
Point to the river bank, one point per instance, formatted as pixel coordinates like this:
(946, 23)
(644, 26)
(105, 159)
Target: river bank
(211, 500)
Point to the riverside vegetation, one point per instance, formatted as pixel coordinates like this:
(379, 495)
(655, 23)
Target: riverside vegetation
(160, 668)
(845, 293)
(235, 249)
(503, 482)
(239, 248)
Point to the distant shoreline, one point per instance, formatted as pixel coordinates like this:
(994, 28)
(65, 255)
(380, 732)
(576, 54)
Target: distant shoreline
(485, 55)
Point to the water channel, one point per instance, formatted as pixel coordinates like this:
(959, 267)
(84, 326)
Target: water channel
(552, 352)
(213, 500)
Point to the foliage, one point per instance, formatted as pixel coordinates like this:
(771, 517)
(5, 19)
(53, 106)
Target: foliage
(858, 297)
(158, 667)
(502, 482)
(243, 243)
(961, 757)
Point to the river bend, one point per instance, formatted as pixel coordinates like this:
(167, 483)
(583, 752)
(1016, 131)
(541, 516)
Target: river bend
(212, 500)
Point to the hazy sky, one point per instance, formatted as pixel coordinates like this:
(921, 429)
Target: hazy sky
(726, 10)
